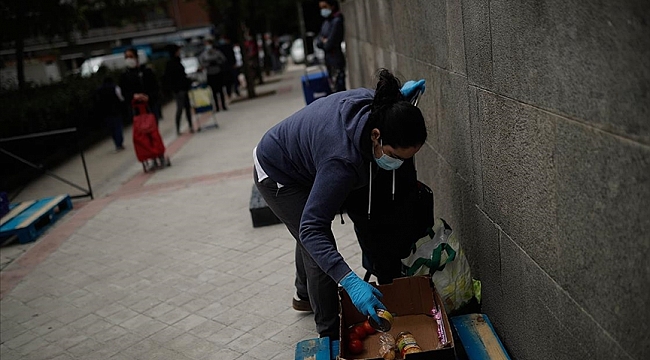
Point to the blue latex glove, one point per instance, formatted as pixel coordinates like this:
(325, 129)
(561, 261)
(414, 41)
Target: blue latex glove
(364, 296)
(410, 88)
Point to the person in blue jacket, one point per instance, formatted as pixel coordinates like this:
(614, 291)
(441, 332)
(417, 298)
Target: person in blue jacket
(329, 39)
(305, 167)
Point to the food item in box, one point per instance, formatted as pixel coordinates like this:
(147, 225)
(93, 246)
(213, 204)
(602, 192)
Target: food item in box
(355, 346)
(368, 328)
(360, 331)
(387, 346)
(385, 320)
(406, 343)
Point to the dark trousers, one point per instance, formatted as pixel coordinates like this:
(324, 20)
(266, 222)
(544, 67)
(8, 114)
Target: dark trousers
(182, 102)
(216, 82)
(337, 77)
(311, 281)
(114, 124)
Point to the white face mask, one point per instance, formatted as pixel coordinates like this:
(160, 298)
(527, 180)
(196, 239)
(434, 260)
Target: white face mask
(208, 47)
(325, 13)
(131, 63)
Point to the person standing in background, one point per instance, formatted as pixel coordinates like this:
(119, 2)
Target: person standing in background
(109, 104)
(177, 82)
(139, 82)
(330, 39)
(230, 75)
(215, 64)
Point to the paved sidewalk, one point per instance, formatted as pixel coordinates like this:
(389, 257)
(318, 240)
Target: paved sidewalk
(166, 265)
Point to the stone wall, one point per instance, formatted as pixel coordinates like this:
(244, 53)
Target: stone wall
(538, 154)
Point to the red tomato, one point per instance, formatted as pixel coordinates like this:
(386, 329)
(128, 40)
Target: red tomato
(368, 328)
(352, 335)
(360, 331)
(355, 346)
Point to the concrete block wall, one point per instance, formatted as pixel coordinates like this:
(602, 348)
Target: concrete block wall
(538, 154)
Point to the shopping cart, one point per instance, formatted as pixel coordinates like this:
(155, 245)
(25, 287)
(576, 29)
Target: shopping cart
(202, 101)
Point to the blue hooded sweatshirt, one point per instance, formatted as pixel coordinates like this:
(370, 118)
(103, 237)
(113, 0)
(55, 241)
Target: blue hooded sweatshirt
(319, 147)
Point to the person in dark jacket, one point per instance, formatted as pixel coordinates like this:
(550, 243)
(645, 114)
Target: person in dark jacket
(308, 164)
(139, 82)
(177, 82)
(230, 73)
(110, 105)
(215, 64)
(329, 39)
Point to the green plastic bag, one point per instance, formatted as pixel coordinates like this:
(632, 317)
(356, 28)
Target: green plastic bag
(440, 255)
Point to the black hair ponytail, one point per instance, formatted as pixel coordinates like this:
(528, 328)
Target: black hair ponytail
(388, 90)
(400, 123)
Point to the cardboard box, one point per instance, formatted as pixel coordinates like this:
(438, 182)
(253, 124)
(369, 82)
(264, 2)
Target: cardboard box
(410, 300)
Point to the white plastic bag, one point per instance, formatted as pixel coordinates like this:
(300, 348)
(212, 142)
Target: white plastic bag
(440, 255)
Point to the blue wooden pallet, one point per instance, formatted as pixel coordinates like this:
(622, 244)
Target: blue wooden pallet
(29, 219)
(478, 338)
(317, 349)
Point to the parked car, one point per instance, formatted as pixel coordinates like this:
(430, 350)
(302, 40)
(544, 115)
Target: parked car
(297, 53)
(191, 65)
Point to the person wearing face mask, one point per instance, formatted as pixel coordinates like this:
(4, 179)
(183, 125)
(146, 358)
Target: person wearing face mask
(329, 39)
(139, 82)
(215, 64)
(308, 164)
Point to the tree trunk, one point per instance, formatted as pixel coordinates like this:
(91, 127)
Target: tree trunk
(20, 46)
(250, 81)
(20, 61)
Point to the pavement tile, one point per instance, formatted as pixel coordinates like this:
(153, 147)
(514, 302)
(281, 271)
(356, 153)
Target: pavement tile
(207, 329)
(222, 354)
(84, 321)
(163, 354)
(245, 342)
(197, 304)
(159, 310)
(37, 344)
(190, 322)
(145, 304)
(267, 350)
(267, 329)
(143, 325)
(20, 340)
(119, 343)
(173, 316)
(248, 322)
(110, 309)
(121, 316)
(213, 310)
(192, 346)
(85, 347)
(110, 333)
(225, 336)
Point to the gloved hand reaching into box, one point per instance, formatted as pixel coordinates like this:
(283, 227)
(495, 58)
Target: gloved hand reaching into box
(363, 295)
(412, 88)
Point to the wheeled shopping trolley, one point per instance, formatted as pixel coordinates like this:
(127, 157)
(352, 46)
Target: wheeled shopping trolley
(315, 83)
(147, 142)
(202, 101)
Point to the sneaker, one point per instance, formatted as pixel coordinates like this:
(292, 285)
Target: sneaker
(300, 304)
